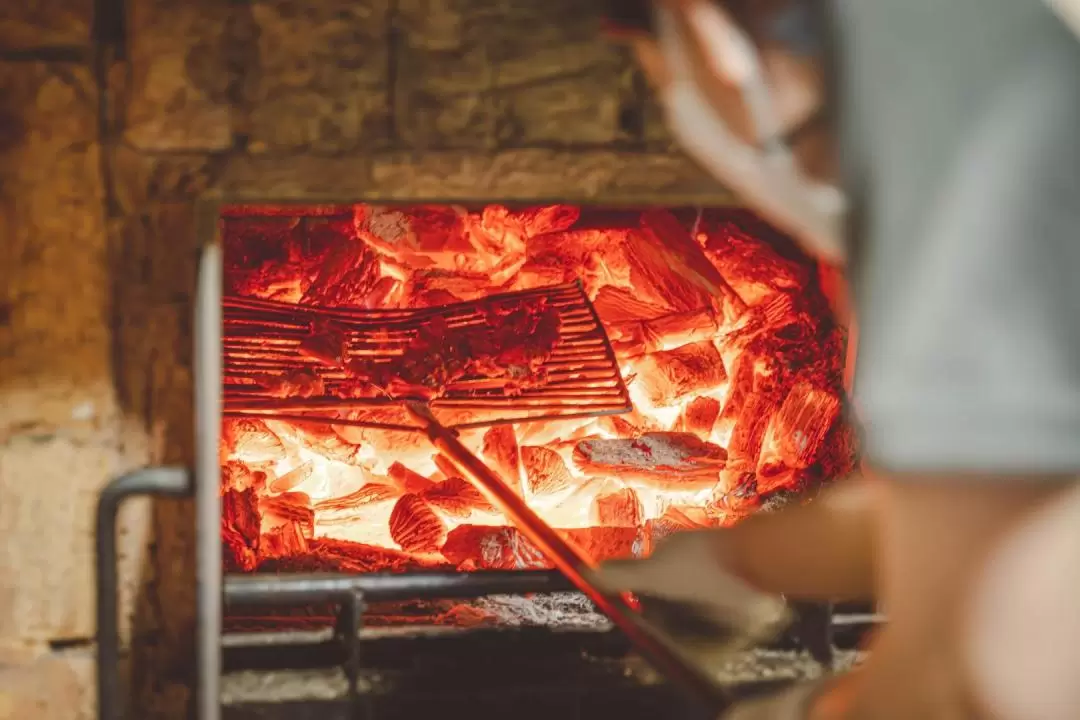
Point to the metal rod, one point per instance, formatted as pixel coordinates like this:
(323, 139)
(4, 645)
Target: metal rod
(162, 482)
(258, 589)
(648, 640)
(208, 392)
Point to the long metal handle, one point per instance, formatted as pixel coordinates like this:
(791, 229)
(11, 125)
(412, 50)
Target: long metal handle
(653, 645)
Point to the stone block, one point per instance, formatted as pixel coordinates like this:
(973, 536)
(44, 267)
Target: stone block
(54, 285)
(655, 131)
(50, 484)
(299, 177)
(57, 686)
(186, 63)
(44, 24)
(508, 74)
(319, 76)
(600, 176)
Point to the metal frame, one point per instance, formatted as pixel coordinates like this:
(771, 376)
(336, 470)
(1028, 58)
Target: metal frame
(351, 593)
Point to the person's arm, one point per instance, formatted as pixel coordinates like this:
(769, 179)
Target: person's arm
(1068, 11)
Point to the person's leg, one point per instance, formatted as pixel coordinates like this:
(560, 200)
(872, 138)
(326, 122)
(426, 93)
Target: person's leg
(1023, 629)
(935, 534)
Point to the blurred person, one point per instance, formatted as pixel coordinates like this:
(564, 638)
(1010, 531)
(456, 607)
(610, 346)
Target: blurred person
(932, 147)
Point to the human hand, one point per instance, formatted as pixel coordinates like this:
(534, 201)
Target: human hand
(742, 84)
(686, 591)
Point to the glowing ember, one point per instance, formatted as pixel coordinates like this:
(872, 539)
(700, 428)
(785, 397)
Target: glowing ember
(720, 328)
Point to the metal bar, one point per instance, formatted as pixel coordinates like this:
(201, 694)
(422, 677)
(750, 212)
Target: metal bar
(208, 392)
(565, 293)
(261, 590)
(347, 632)
(161, 482)
(287, 417)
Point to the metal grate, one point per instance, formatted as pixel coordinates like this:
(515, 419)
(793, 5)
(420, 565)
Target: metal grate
(580, 378)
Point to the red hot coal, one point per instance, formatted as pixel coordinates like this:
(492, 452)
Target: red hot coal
(722, 331)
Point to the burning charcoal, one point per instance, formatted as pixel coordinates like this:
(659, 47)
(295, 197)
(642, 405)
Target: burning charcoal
(457, 497)
(371, 504)
(292, 479)
(749, 430)
(408, 481)
(777, 500)
(385, 294)
(618, 509)
(325, 345)
(237, 555)
(750, 265)
(668, 266)
(465, 286)
(297, 384)
(260, 261)
(739, 388)
(619, 305)
(572, 250)
(434, 298)
(250, 440)
(545, 471)
(699, 416)
(802, 422)
(609, 543)
(505, 548)
(764, 321)
(681, 329)
(240, 512)
(238, 476)
(399, 441)
(370, 493)
(415, 527)
(736, 495)
(285, 540)
(292, 507)
(536, 274)
(539, 433)
(676, 519)
(492, 548)
(629, 425)
(413, 233)
(318, 437)
(630, 340)
(679, 460)
(349, 271)
(328, 554)
(502, 453)
(668, 376)
(773, 474)
(547, 218)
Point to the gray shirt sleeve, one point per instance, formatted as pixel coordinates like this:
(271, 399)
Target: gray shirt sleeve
(967, 119)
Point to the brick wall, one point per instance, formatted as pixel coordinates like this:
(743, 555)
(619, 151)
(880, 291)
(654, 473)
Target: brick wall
(106, 141)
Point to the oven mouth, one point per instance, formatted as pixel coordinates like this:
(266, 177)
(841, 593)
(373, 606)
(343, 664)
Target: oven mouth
(302, 495)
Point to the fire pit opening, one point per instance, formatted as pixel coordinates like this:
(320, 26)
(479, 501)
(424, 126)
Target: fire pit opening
(730, 360)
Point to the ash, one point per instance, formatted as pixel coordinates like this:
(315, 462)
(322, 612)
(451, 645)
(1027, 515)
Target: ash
(559, 611)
